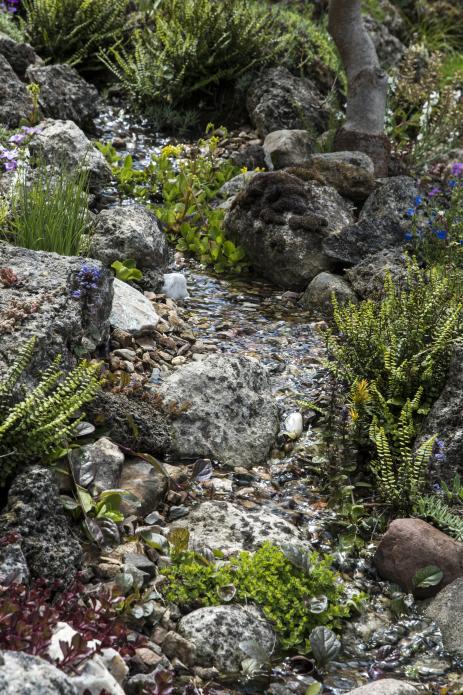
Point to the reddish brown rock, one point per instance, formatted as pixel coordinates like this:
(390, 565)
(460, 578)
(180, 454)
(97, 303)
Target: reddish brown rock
(410, 545)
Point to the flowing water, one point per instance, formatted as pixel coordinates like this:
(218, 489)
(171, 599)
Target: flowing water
(257, 320)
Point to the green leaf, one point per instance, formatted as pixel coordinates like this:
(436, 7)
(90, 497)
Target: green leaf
(313, 689)
(324, 644)
(156, 541)
(428, 576)
(85, 499)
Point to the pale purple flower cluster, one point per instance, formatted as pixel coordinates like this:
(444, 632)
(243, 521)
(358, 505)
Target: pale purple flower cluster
(88, 278)
(10, 6)
(9, 156)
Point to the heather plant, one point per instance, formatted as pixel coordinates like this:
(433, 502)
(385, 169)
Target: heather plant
(8, 25)
(34, 425)
(73, 31)
(186, 181)
(50, 212)
(425, 109)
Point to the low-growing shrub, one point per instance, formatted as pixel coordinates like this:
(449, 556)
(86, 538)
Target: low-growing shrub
(425, 109)
(50, 212)
(73, 31)
(186, 181)
(296, 591)
(9, 27)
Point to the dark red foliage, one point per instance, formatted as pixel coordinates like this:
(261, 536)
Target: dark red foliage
(9, 539)
(28, 616)
(8, 277)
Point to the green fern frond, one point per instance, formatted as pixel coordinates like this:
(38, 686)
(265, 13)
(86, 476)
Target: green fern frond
(46, 418)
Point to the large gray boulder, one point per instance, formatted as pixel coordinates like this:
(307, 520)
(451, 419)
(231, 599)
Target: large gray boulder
(217, 631)
(23, 674)
(282, 222)
(46, 298)
(385, 686)
(367, 277)
(392, 198)
(277, 100)
(446, 419)
(361, 239)
(64, 94)
(287, 148)
(15, 100)
(446, 610)
(35, 512)
(350, 173)
(63, 142)
(19, 55)
(124, 232)
(131, 422)
(227, 410)
(228, 527)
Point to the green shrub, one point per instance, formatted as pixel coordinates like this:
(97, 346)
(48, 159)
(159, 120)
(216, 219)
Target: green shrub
(425, 112)
(73, 31)
(33, 426)
(9, 27)
(187, 180)
(293, 598)
(437, 512)
(51, 212)
(192, 47)
(392, 355)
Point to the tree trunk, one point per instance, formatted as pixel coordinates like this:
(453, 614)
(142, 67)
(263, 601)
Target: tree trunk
(363, 129)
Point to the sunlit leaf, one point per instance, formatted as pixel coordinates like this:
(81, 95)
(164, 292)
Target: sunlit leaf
(427, 577)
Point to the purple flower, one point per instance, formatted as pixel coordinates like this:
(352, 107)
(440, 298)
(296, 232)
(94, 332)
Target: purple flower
(11, 165)
(30, 131)
(9, 154)
(76, 294)
(17, 139)
(434, 191)
(457, 169)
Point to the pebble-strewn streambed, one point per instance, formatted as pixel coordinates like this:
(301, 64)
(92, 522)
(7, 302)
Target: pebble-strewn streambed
(266, 324)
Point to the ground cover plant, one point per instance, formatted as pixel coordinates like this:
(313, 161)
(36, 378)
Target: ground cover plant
(296, 590)
(179, 185)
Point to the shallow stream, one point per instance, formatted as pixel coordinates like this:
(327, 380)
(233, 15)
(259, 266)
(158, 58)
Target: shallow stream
(257, 320)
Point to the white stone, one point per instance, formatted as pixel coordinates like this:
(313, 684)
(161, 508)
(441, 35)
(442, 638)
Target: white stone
(175, 286)
(131, 310)
(293, 425)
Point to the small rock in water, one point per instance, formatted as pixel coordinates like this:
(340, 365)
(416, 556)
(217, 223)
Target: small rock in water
(293, 425)
(175, 286)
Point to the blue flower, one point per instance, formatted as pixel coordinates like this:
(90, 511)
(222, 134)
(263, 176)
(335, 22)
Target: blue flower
(411, 212)
(452, 183)
(76, 294)
(441, 233)
(408, 236)
(418, 200)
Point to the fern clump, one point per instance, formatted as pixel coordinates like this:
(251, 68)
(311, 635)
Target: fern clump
(191, 47)
(73, 31)
(393, 354)
(436, 511)
(34, 425)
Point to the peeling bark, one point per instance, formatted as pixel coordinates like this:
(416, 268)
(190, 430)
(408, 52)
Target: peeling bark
(363, 129)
